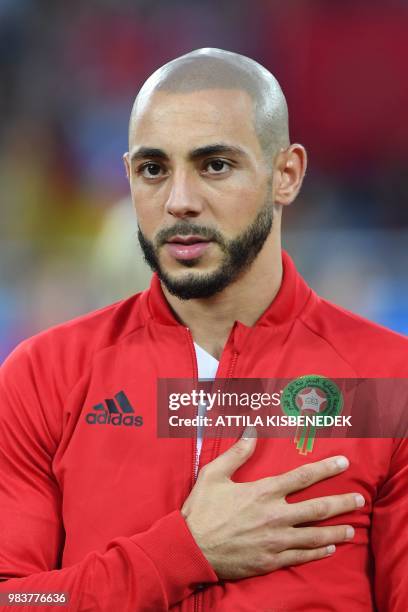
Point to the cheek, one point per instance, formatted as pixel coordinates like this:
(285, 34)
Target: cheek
(237, 208)
(148, 212)
(148, 222)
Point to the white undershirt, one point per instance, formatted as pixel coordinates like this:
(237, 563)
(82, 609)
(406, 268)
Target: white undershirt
(207, 366)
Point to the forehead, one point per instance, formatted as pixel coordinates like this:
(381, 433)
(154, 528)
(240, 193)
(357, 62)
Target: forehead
(188, 120)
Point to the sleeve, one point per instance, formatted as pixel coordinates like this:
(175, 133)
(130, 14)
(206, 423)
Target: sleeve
(389, 535)
(147, 571)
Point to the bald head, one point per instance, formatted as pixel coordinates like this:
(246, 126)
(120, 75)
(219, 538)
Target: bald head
(218, 69)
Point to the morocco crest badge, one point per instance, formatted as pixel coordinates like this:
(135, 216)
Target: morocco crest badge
(310, 395)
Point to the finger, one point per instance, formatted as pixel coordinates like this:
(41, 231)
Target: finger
(299, 556)
(308, 474)
(317, 537)
(322, 508)
(227, 463)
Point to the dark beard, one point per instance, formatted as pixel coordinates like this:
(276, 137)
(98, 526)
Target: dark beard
(238, 254)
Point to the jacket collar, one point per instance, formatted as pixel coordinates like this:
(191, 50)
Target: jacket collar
(290, 300)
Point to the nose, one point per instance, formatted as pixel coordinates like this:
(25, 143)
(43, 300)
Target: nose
(184, 199)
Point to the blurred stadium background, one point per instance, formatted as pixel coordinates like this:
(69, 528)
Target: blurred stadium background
(68, 74)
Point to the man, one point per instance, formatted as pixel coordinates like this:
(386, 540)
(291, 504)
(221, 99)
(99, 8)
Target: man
(115, 515)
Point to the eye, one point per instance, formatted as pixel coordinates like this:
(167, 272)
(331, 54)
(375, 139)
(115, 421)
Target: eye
(217, 166)
(150, 170)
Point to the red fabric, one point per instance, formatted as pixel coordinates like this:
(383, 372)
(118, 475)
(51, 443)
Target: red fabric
(94, 509)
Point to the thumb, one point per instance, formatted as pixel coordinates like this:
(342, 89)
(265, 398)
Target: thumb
(237, 454)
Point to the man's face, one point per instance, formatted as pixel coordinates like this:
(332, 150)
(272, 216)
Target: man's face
(201, 188)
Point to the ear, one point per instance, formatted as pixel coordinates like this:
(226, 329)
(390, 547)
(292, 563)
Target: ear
(125, 158)
(290, 168)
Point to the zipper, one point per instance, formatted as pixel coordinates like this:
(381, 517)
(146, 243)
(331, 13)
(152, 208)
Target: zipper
(195, 378)
(198, 597)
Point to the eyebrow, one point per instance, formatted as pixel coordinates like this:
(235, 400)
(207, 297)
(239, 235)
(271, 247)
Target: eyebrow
(216, 149)
(145, 152)
(212, 149)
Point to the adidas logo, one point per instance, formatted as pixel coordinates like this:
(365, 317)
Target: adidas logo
(116, 411)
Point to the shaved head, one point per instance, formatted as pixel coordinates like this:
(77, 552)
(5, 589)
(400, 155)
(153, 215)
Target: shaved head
(210, 167)
(217, 69)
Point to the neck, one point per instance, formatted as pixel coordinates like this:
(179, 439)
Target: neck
(210, 320)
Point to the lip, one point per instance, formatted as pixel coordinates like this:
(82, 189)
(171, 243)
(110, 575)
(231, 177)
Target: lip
(184, 248)
(191, 239)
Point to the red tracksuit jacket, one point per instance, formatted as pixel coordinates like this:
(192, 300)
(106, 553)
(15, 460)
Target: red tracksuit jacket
(93, 509)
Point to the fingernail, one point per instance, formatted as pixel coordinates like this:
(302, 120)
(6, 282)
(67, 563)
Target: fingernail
(249, 432)
(349, 533)
(342, 462)
(330, 549)
(359, 499)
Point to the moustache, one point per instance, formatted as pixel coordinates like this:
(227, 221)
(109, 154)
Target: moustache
(187, 229)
